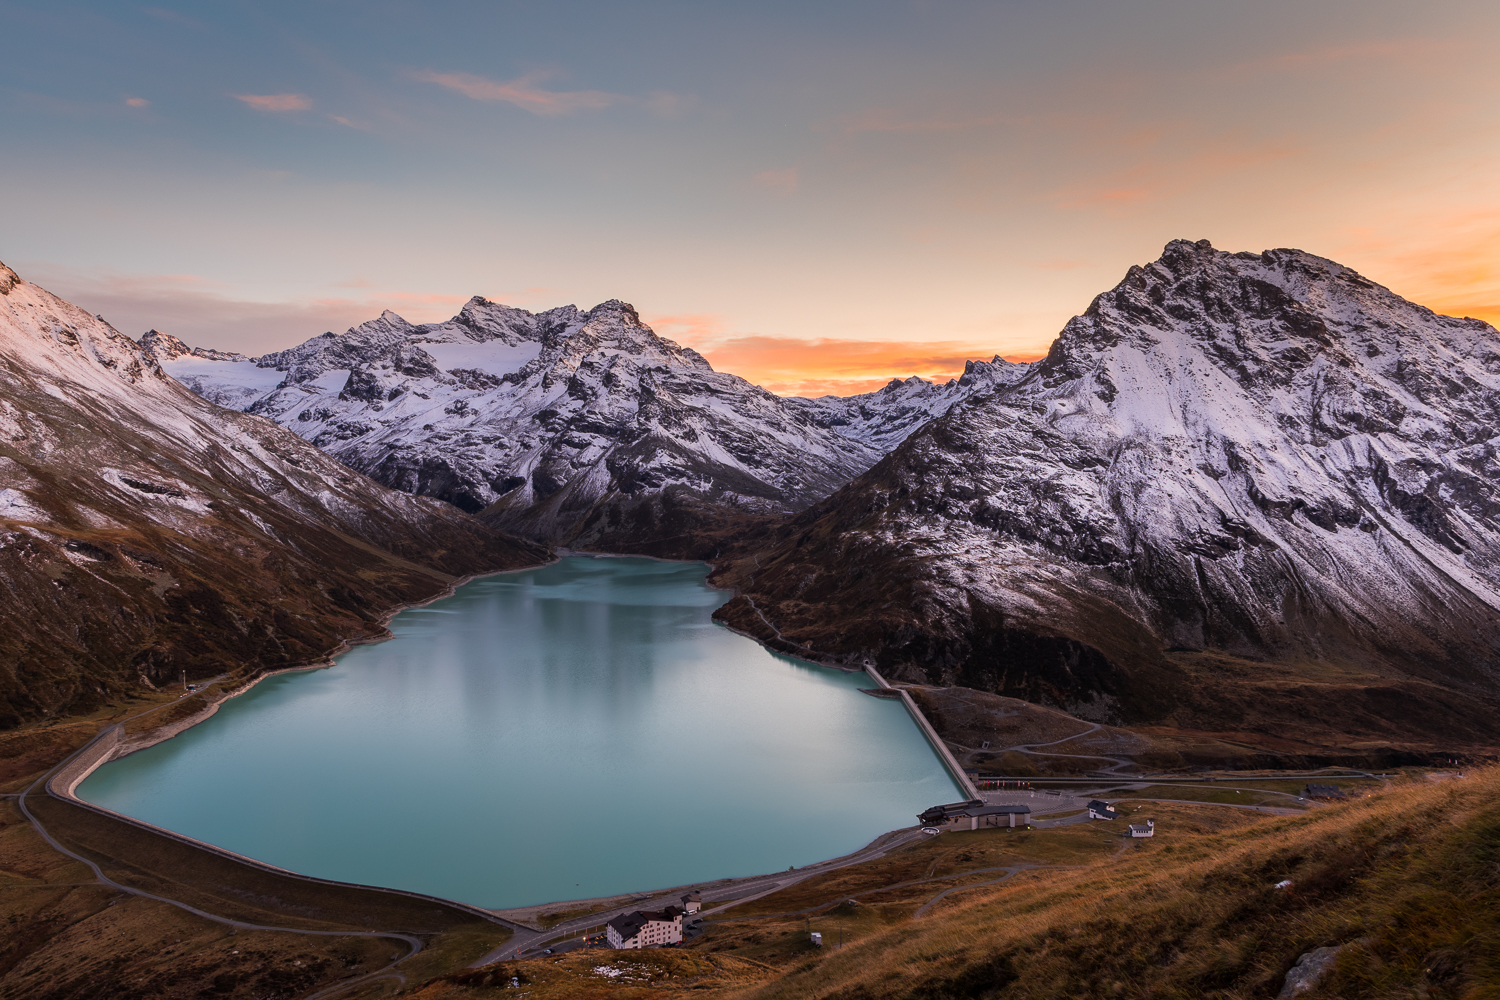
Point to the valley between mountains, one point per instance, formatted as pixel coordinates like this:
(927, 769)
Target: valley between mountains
(1242, 515)
(1252, 495)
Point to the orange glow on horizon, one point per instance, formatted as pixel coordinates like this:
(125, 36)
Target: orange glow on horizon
(791, 366)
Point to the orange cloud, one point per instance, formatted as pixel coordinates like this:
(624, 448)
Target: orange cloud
(1156, 177)
(522, 92)
(784, 181)
(1408, 50)
(895, 120)
(1449, 262)
(137, 102)
(802, 367)
(796, 366)
(275, 102)
(688, 328)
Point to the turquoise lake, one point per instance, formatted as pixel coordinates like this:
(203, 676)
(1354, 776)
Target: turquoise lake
(573, 731)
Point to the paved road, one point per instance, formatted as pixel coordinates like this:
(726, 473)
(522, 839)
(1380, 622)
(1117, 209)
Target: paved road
(733, 892)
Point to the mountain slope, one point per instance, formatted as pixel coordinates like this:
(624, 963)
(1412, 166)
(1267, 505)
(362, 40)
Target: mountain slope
(581, 428)
(146, 533)
(1236, 482)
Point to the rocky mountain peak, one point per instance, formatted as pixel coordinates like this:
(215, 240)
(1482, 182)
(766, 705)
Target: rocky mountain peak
(615, 329)
(8, 279)
(1265, 455)
(163, 346)
(996, 371)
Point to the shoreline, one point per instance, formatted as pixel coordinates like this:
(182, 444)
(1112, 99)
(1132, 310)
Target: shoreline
(80, 765)
(116, 743)
(160, 734)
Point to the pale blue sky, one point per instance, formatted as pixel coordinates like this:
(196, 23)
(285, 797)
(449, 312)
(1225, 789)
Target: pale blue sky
(954, 176)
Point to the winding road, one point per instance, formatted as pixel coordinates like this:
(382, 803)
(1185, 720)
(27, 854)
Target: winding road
(733, 892)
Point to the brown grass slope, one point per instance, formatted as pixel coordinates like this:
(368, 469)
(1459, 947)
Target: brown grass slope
(145, 532)
(67, 936)
(1408, 879)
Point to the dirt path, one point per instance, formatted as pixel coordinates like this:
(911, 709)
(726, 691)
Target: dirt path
(1031, 748)
(958, 888)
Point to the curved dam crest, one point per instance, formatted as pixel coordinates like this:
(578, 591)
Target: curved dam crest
(573, 731)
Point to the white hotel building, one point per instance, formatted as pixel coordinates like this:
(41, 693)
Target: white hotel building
(645, 929)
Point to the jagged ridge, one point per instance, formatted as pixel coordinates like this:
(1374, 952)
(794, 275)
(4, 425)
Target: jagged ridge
(581, 428)
(1261, 455)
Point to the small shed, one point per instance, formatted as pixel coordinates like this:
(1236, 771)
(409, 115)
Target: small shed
(692, 902)
(1146, 829)
(1099, 809)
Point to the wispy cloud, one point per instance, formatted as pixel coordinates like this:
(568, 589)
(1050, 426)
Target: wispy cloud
(1156, 174)
(784, 181)
(665, 104)
(275, 102)
(1406, 50)
(693, 329)
(207, 314)
(1443, 257)
(523, 92)
(137, 102)
(894, 120)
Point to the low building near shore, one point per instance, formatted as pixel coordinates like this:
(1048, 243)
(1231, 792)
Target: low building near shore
(974, 815)
(692, 902)
(645, 929)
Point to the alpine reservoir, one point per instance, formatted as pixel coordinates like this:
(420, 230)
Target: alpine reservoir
(574, 731)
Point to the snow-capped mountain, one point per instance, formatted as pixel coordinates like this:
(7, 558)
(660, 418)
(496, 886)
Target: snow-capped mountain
(884, 418)
(585, 428)
(1264, 458)
(145, 532)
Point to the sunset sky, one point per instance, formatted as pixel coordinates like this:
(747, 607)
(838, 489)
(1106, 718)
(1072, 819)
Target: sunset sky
(818, 196)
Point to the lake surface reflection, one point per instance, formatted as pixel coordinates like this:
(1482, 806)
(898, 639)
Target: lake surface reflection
(573, 731)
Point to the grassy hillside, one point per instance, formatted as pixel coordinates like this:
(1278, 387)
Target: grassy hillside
(1407, 878)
